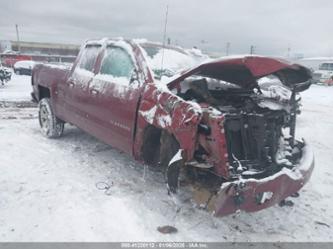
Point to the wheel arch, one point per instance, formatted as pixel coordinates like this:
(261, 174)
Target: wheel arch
(156, 142)
(43, 92)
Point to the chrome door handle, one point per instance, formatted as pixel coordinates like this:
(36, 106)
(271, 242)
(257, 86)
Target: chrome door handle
(94, 91)
(70, 83)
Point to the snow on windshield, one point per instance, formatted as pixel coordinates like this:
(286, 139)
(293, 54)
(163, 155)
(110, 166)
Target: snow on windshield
(173, 60)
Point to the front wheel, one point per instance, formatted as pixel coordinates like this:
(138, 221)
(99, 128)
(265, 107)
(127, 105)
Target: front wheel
(50, 125)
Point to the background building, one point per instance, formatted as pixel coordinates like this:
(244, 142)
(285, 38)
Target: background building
(12, 51)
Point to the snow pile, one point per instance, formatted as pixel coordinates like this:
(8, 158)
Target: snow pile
(18, 89)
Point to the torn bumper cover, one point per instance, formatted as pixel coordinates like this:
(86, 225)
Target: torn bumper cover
(252, 195)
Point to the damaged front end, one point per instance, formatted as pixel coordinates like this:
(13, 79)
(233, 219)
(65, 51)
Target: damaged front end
(255, 193)
(246, 153)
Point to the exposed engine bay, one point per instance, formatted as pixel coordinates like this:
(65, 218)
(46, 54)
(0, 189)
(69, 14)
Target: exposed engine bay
(234, 122)
(253, 129)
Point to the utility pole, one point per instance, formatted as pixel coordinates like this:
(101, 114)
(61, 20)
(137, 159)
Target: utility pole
(252, 49)
(288, 52)
(18, 38)
(227, 49)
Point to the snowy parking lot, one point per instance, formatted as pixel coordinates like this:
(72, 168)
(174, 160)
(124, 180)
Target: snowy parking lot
(52, 190)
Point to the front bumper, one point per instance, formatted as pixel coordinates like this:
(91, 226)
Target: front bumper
(252, 195)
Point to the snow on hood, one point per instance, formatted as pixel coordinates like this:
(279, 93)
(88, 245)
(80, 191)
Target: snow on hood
(244, 71)
(174, 58)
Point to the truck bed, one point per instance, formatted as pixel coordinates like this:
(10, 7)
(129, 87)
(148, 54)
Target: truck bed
(48, 75)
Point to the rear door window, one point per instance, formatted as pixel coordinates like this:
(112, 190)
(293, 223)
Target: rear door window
(88, 57)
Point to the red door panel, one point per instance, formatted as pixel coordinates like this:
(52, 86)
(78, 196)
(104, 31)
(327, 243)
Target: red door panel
(112, 108)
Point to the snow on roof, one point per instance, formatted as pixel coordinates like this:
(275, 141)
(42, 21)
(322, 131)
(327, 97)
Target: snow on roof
(99, 42)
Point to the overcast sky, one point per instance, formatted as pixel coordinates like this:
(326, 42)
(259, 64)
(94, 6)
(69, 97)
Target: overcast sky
(270, 25)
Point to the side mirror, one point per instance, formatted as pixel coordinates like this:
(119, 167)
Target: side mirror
(300, 87)
(134, 76)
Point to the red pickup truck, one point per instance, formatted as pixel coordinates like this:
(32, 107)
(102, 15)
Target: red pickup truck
(227, 125)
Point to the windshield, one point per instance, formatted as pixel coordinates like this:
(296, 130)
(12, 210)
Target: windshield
(174, 59)
(326, 66)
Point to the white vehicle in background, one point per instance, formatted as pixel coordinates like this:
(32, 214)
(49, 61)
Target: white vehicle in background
(313, 63)
(24, 67)
(324, 74)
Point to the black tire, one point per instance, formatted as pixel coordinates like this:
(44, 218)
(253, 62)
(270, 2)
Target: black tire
(50, 125)
(169, 148)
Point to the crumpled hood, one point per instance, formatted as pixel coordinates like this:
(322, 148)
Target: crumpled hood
(245, 70)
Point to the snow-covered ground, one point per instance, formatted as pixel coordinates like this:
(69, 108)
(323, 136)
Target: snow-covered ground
(49, 189)
(18, 89)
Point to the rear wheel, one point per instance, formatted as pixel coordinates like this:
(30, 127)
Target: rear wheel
(50, 125)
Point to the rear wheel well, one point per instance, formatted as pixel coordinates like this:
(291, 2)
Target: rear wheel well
(44, 92)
